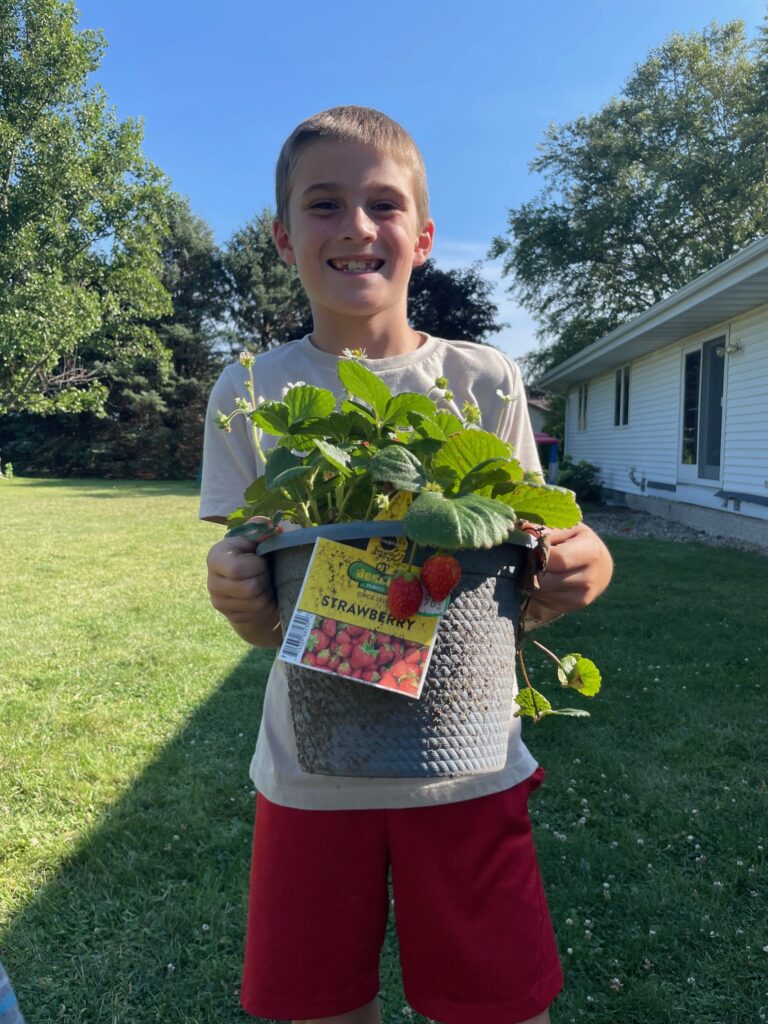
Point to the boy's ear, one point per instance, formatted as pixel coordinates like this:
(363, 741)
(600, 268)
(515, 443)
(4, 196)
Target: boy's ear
(423, 245)
(283, 242)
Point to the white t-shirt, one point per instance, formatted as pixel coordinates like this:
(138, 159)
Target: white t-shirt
(476, 373)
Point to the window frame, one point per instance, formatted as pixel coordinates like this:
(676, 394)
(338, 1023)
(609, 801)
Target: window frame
(622, 381)
(583, 403)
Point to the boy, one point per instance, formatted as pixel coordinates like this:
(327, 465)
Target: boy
(476, 940)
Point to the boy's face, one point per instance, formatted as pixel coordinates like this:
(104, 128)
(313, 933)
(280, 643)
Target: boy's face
(354, 232)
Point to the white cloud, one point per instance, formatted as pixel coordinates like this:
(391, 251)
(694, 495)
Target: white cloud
(520, 336)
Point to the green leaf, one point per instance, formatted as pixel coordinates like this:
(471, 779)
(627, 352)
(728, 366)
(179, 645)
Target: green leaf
(349, 406)
(580, 674)
(465, 451)
(282, 466)
(400, 407)
(306, 403)
(338, 458)
(255, 532)
(532, 704)
(362, 383)
(554, 506)
(398, 466)
(424, 447)
(482, 478)
(240, 515)
(471, 521)
(261, 502)
(272, 417)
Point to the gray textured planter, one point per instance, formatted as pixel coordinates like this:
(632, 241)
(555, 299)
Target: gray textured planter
(460, 724)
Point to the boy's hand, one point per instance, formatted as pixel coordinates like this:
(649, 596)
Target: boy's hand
(579, 569)
(240, 586)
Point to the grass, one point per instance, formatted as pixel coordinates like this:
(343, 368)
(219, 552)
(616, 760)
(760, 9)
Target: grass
(129, 713)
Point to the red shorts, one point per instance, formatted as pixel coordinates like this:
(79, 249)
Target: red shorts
(476, 940)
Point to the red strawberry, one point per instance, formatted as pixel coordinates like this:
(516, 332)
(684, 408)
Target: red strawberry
(333, 663)
(344, 668)
(343, 650)
(386, 654)
(402, 668)
(404, 595)
(317, 641)
(322, 658)
(309, 658)
(364, 656)
(440, 574)
(371, 676)
(413, 657)
(354, 630)
(329, 627)
(344, 636)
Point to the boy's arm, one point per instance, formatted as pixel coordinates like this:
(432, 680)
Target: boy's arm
(240, 586)
(579, 569)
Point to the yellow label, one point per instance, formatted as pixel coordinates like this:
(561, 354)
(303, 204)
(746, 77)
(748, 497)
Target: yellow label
(350, 584)
(389, 553)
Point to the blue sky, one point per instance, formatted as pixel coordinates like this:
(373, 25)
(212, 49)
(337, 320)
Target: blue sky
(220, 86)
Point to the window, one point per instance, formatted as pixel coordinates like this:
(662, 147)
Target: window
(621, 398)
(702, 426)
(583, 397)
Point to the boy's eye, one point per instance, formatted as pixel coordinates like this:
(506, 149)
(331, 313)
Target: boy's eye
(323, 204)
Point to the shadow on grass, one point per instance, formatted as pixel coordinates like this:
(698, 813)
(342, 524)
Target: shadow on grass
(145, 920)
(96, 487)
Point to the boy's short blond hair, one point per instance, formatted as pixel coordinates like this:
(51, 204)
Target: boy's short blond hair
(362, 125)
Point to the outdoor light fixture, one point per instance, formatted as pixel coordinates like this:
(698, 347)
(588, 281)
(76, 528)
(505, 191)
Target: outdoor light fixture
(730, 348)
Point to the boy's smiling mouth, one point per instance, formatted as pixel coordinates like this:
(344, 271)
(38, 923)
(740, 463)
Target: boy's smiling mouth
(356, 266)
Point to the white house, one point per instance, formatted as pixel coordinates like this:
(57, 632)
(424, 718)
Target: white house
(673, 405)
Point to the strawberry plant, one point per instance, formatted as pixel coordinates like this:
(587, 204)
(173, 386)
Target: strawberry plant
(329, 461)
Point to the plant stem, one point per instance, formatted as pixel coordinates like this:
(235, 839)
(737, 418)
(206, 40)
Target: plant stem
(527, 680)
(411, 555)
(356, 480)
(251, 389)
(312, 502)
(546, 650)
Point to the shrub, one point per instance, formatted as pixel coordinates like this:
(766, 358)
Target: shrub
(581, 477)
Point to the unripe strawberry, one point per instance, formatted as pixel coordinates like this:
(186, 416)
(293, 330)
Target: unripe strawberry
(404, 595)
(440, 574)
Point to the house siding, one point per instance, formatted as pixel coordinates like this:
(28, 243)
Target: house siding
(647, 446)
(746, 413)
(645, 452)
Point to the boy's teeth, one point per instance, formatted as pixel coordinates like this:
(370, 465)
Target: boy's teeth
(356, 266)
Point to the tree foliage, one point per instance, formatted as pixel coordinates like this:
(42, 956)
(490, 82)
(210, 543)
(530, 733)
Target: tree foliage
(454, 304)
(80, 214)
(662, 184)
(155, 408)
(266, 304)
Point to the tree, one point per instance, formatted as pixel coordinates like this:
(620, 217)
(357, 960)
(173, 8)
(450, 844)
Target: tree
(81, 212)
(155, 409)
(662, 184)
(453, 304)
(265, 301)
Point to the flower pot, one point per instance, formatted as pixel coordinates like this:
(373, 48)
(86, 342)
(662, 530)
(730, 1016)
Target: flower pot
(460, 723)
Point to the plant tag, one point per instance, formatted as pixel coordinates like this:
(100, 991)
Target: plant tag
(342, 625)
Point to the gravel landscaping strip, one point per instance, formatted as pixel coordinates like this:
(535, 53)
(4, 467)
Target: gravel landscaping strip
(625, 522)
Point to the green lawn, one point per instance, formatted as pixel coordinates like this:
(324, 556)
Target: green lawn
(128, 714)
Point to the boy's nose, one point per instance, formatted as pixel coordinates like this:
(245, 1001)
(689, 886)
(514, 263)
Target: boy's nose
(357, 224)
